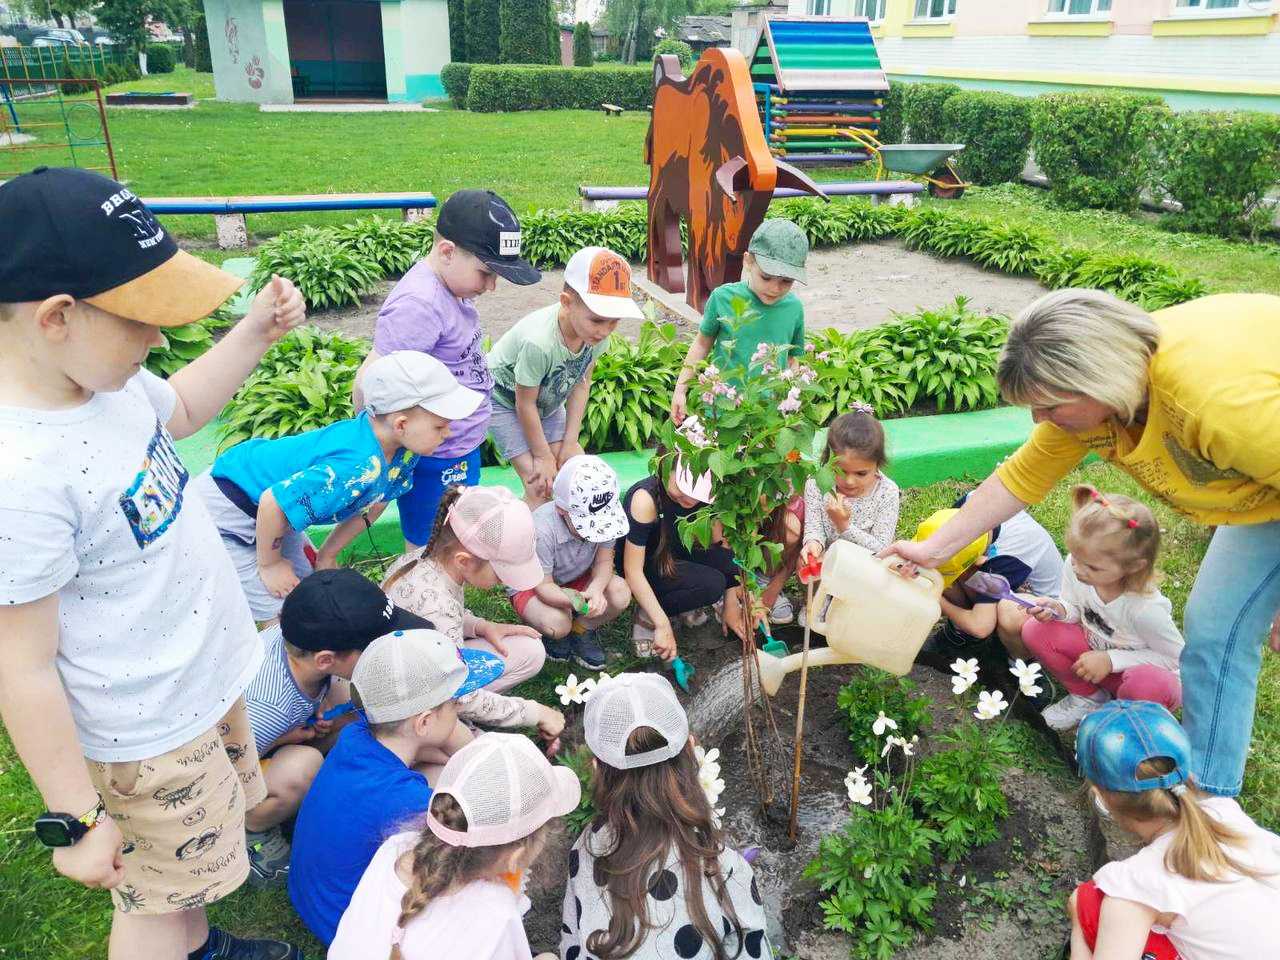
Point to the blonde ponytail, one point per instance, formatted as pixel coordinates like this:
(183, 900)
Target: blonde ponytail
(441, 540)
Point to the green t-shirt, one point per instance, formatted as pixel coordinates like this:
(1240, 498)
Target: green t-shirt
(533, 354)
(779, 323)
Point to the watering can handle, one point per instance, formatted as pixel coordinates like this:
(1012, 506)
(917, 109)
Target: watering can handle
(925, 578)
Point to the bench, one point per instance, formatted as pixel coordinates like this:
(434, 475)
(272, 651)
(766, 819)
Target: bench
(611, 109)
(606, 198)
(229, 212)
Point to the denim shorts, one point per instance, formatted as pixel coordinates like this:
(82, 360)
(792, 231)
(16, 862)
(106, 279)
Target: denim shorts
(508, 434)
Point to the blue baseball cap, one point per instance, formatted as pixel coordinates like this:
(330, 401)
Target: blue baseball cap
(1114, 740)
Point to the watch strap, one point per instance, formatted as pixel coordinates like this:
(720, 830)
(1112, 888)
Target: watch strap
(90, 819)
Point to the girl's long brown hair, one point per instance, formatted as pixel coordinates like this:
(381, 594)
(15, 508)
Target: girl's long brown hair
(441, 541)
(437, 867)
(649, 811)
(663, 556)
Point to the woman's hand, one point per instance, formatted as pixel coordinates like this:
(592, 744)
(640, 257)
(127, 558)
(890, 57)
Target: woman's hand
(911, 557)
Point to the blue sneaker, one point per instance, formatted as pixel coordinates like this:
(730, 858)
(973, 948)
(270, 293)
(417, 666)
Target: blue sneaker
(587, 651)
(561, 650)
(222, 946)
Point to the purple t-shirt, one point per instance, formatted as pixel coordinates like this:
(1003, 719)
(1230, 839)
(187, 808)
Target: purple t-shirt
(421, 314)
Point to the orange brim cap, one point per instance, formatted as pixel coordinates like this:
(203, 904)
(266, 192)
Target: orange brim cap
(181, 290)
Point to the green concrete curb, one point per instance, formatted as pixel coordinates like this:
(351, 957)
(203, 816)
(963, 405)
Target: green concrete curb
(922, 450)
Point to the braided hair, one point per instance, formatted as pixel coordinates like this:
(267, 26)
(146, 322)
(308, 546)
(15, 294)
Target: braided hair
(441, 541)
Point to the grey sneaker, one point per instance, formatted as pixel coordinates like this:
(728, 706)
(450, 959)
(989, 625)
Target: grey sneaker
(587, 651)
(268, 857)
(1069, 711)
(782, 611)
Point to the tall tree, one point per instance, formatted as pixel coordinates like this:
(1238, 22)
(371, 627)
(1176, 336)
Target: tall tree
(458, 31)
(482, 31)
(634, 21)
(582, 53)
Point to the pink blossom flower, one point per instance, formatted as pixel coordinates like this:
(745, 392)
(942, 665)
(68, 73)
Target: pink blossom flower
(824, 356)
(708, 398)
(769, 367)
(787, 374)
(709, 373)
(792, 403)
(763, 351)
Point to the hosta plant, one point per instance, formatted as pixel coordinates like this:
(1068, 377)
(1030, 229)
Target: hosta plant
(326, 272)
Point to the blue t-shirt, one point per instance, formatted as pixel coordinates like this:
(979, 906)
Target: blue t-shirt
(363, 794)
(321, 476)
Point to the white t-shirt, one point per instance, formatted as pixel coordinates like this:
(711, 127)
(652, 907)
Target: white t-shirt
(1134, 628)
(156, 641)
(1022, 537)
(482, 921)
(1215, 921)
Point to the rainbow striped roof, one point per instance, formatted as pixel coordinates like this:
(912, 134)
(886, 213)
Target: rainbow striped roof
(818, 53)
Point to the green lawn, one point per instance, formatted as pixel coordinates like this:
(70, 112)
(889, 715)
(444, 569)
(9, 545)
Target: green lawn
(43, 917)
(182, 80)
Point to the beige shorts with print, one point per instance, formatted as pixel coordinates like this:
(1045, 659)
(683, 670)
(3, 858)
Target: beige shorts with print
(182, 816)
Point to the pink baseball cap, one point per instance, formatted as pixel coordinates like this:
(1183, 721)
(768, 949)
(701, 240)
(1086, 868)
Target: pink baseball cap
(506, 788)
(699, 489)
(495, 525)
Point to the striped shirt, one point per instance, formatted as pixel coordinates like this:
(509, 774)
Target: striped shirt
(273, 699)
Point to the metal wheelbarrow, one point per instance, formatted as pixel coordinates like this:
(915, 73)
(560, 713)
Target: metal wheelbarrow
(929, 162)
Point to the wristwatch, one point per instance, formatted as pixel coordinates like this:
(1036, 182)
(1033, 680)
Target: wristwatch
(64, 830)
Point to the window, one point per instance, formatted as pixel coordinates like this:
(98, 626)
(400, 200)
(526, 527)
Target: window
(819, 8)
(1204, 6)
(873, 10)
(1078, 8)
(935, 9)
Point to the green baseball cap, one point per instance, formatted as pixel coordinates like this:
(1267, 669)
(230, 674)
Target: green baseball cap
(780, 247)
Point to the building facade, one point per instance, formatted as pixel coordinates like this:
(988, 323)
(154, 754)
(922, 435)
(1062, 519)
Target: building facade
(1198, 54)
(276, 51)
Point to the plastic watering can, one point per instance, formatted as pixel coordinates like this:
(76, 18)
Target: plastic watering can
(868, 613)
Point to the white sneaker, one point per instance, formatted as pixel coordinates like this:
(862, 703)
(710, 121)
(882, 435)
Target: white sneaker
(1069, 711)
(802, 619)
(695, 618)
(782, 611)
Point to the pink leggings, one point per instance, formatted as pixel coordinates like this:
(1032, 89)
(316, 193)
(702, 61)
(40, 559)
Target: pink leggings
(1059, 645)
(524, 659)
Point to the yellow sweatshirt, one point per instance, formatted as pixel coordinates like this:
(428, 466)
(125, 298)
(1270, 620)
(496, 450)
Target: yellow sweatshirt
(1211, 444)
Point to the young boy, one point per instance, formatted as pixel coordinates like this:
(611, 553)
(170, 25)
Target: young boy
(263, 494)
(477, 240)
(376, 776)
(574, 537)
(325, 624)
(128, 642)
(542, 368)
(773, 263)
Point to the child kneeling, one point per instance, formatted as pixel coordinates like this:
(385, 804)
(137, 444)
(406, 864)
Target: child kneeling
(652, 877)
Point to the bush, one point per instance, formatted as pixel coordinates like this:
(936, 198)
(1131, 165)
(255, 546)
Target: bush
(522, 34)
(327, 273)
(482, 31)
(457, 31)
(456, 79)
(996, 131)
(631, 388)
(303, 382)
(505, 88)
(393, 245)
(582, 56)
(891, 119)
(679, 49)
(948, 356)
(183, 344)
(1219, 165)
(204, 59)
(959, 789)
(550, 237)
(872, 692)
(1098, 149)
(922, 110)
(160, 58)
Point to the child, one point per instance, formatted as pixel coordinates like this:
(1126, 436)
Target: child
(773, 263)
(325, 624)
(431, 310)
(454, 888)
(863, 508)
(542, 368)
(574, 536)
(128, 643)
(377, 774)
(664, 576)
(652, 878)
(482, 535)
(1205, 885)
(264, 494)
(1111, 632)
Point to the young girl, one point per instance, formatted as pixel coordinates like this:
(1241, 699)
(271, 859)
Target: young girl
(1111, 632)
(1205, 885)
(482, 535)
(652, 878)
(666, 578)
(454, 888)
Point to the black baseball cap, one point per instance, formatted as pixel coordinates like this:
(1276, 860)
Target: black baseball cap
(481, 222)
(341, 610)
(77, 232)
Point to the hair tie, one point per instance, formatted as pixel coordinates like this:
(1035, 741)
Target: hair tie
(859, 407)
(1133, 523)
(1179, 790)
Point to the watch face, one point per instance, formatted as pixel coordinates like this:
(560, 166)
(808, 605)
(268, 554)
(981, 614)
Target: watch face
(58, 831)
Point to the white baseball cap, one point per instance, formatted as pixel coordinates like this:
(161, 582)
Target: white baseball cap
(506, 788)
(587, 489)
(627, 702)
(602, 279)
(699, 488)
(408, 672)
(410, 378)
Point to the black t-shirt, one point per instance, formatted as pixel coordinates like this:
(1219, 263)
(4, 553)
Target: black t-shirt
(646, 534)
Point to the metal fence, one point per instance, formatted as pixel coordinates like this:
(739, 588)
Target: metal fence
(25, 69)
(66, 126)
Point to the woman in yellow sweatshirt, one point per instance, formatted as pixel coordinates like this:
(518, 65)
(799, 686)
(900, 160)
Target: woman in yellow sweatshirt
(1185, 400)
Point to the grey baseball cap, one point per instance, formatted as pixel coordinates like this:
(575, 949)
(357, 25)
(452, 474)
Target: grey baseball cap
(780, 248)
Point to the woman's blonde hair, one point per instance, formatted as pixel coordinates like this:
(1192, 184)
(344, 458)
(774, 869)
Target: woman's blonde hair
(436, 867)
(1121, 527)
(1077, 342)
(1200, 846)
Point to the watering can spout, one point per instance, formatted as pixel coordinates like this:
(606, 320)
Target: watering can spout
(773, 670)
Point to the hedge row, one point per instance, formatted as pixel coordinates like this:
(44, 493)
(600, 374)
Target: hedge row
(488, 88)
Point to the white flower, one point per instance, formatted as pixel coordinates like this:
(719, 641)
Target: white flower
(908, 746)
(883, 723)
(990, 705)
(966, 668)
(1025, 672)
(964, 878)
(792, 402)
(1030, 689)
(859, 789)
(709, 773)
(962, 682)
(573, 691)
